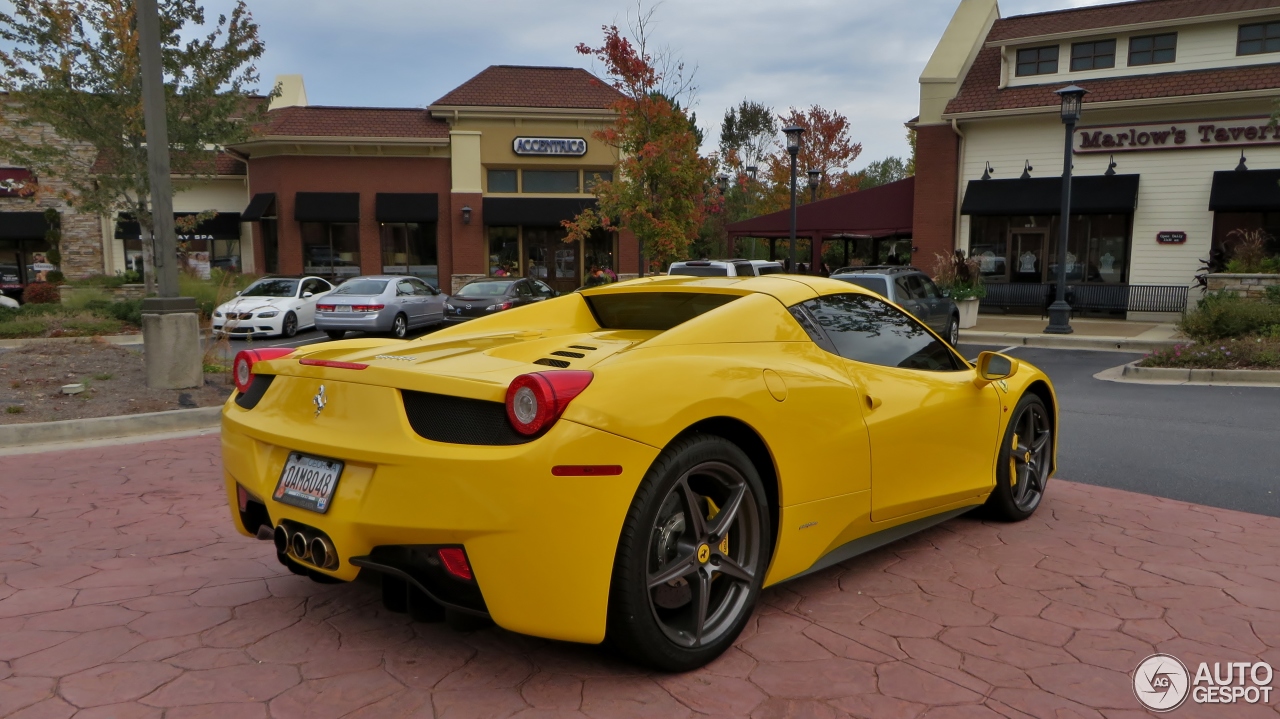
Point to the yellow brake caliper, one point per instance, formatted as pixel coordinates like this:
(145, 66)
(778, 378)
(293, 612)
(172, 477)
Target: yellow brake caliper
(724, 541)
(1013, 466)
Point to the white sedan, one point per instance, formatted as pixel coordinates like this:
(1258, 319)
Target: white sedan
(271, 306)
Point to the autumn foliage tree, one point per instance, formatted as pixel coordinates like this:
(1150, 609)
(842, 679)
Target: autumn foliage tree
(661, 189)
(825, 146)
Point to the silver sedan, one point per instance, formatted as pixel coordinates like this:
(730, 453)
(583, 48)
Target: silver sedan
(380, 303)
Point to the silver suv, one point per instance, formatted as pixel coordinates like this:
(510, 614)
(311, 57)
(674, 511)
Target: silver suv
(724, 268)
(912, 290)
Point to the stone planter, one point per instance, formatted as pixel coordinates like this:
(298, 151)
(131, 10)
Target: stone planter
(1248, 286)
(968, 312)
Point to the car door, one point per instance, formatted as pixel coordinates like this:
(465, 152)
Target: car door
(933, 431)
(408, 302)
(307, 305)
(432, 301)
(910, 295)
(939, 306)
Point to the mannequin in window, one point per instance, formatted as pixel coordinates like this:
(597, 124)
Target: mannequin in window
(1108, 263)
(1027, 262)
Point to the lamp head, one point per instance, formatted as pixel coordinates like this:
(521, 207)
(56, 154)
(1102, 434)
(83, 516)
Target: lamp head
(793, 138)
(466, 214)
(751, 171)
(814, 177)
(1072, 98)
(722, 181)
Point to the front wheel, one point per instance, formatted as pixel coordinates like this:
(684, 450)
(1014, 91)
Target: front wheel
(289, 327)
(400, 327)
(952, 333)
(691, 557)
(1026, 457)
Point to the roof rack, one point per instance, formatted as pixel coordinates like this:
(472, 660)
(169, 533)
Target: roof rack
(877, 268)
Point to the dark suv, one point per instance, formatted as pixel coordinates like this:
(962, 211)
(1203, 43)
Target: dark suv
(912, 290)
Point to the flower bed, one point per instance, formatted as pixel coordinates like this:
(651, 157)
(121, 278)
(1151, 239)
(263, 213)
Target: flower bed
(57, 320)
(1239, 353)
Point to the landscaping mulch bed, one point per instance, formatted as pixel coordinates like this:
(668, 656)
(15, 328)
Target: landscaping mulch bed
(31, 380)
(1239, 353)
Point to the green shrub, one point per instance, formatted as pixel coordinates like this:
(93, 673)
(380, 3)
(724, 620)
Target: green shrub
(84, 297)
(1273, 294)
(107, 281)
(38, 293)
(22, 328)
(56, 277)
(1223, 315)
(91, 326)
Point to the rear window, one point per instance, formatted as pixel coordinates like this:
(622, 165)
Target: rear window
(875, 284)
(361, 287)
(652, 310)
(485, 289)
(768, 269)
(700, 271)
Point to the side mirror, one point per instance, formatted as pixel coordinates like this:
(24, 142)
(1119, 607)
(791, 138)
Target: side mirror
(305, 295)
(993, 366)
(237, 293)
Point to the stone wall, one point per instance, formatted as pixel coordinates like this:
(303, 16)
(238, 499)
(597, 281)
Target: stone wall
(1254, 286)
(81, 245)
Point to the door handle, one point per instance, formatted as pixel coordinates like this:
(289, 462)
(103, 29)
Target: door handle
(873, 402)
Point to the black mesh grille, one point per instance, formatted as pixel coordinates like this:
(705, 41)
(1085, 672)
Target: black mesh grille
(257, 388)
(459, 420)
(565, 353)
(552, 363)
(580, 347)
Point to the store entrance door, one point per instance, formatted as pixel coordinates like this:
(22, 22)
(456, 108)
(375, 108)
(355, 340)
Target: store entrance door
(550, 259)
(1027, 252)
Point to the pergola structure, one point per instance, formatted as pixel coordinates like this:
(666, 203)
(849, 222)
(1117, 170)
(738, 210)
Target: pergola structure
(871, 222)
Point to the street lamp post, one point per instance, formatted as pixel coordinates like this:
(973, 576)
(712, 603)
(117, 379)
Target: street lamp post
(793, 148)
(1060, 312)
(722, 183)
(815, 176)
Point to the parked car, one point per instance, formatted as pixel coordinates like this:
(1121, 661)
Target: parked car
(271, 306)
(713, 268)
(8, 302)
(481, 298)
(380, 303)
(680, 482)
(768, 267)
(912, 290)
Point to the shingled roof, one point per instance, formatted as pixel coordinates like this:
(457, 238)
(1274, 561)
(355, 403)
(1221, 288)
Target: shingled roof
(980, 91)
(1125, 13)
(322, 121)
(523, 86)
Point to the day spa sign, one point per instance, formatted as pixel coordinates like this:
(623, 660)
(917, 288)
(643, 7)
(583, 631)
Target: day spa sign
(1177, 136)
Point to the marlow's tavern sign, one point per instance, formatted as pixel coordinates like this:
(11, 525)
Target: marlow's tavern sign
(572, 146)
(1177, 135)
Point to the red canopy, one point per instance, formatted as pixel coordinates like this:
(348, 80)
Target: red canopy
(883, 211)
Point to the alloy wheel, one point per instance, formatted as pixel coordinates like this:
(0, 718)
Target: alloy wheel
(290, 327)
(400, 327)
(705, 552)
(1029, 457)
(955, 333)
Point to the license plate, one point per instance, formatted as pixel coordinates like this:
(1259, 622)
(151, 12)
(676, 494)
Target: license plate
(308, 482)
(342, 308)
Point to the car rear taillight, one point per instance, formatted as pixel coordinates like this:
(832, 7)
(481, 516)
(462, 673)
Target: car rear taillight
(325, 308)
(242, 367)
(536, 400)
(455, 562)
(366, 308)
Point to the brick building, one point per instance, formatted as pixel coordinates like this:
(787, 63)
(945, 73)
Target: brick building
(1174, 151)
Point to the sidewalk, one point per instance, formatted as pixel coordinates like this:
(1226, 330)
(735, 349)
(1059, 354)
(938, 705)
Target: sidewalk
(1102, 334)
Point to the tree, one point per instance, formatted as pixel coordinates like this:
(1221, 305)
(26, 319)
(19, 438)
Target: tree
(911, 141)
(73, 65)
(660, 191)
(825, 146)
(882, 172)
(747, 134)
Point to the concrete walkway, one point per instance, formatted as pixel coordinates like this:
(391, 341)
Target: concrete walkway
(1089, 333)
(126, 594)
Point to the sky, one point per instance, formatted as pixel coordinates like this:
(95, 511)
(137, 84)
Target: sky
(860, 57)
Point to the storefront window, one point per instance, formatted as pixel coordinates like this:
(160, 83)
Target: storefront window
(590, 178)
(599, 253)
(270, 245)
(550, 259)
(1225, 223)
(1025, 248)
(894, 252)
(550, 181)
(502, 181)
(331, 249)
(409, 248)
(504, 251)
(226, 255)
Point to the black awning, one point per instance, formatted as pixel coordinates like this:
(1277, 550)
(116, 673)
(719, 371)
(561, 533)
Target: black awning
(1245, 191)
(406, 207)
(262, 205)
(327, 207)
(15, 225)
(1090, 195)
(222, 226)
(534, 211)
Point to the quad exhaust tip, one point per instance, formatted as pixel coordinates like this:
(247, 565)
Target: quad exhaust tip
(316, 549)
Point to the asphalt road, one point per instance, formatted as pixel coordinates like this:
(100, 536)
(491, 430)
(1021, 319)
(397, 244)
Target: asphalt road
(1218, 446)
(302, 338)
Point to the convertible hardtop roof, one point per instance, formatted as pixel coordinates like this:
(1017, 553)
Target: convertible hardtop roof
(787, 289)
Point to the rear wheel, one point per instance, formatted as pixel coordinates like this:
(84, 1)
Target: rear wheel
(1026, 456)
(691, 557)
(952, 333)
(400, 327)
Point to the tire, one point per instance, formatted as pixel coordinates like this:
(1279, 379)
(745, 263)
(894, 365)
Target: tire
(660, 622)
(952, 332)
(336, 334)
(289, 327)
(1022, 473)
(400, 327)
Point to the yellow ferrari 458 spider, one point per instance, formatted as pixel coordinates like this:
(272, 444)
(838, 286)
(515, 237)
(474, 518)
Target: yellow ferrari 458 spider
(631, 462)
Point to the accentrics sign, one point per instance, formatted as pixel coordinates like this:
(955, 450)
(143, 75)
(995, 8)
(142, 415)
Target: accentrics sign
(571, 146)
(1240, 132)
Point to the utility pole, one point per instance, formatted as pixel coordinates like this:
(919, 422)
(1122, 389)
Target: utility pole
(170, 324)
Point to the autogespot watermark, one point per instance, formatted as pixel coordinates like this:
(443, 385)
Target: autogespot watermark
(1162, 683)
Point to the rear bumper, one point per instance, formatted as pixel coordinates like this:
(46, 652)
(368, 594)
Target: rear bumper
(541, 547)
(364, 322)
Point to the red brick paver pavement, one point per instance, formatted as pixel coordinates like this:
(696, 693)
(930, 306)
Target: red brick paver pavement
(127, 595)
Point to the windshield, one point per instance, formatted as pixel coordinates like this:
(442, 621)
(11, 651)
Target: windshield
(875, 284)
(484, 289)
(271, 288)
(700, 271)
(652, 310)
(361, 287)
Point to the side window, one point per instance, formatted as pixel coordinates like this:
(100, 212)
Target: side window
(542, 290)
(404, 287)
(919, 289)
(321, 286)
(902, 290)
(420, 288)
(523, 289)
(864, 329)
(312, 286)
(744, 269)
(930, 290)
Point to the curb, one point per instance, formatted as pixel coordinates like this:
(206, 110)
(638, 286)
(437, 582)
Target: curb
(1075, 342)
(76, 430)
(109, 339)
(1134, 374)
